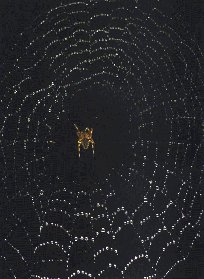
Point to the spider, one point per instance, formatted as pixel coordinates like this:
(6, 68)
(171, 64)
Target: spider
(85, 138)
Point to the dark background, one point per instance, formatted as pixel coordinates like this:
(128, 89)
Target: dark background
(16, 15)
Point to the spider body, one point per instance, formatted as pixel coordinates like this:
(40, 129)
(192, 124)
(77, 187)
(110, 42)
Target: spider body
(85, 139)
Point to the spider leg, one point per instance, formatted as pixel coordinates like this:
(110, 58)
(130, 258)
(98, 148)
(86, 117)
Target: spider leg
(92, 144)
(76, 127)
(79, 144)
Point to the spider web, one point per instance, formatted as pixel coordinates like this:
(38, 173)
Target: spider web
(133, 211)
